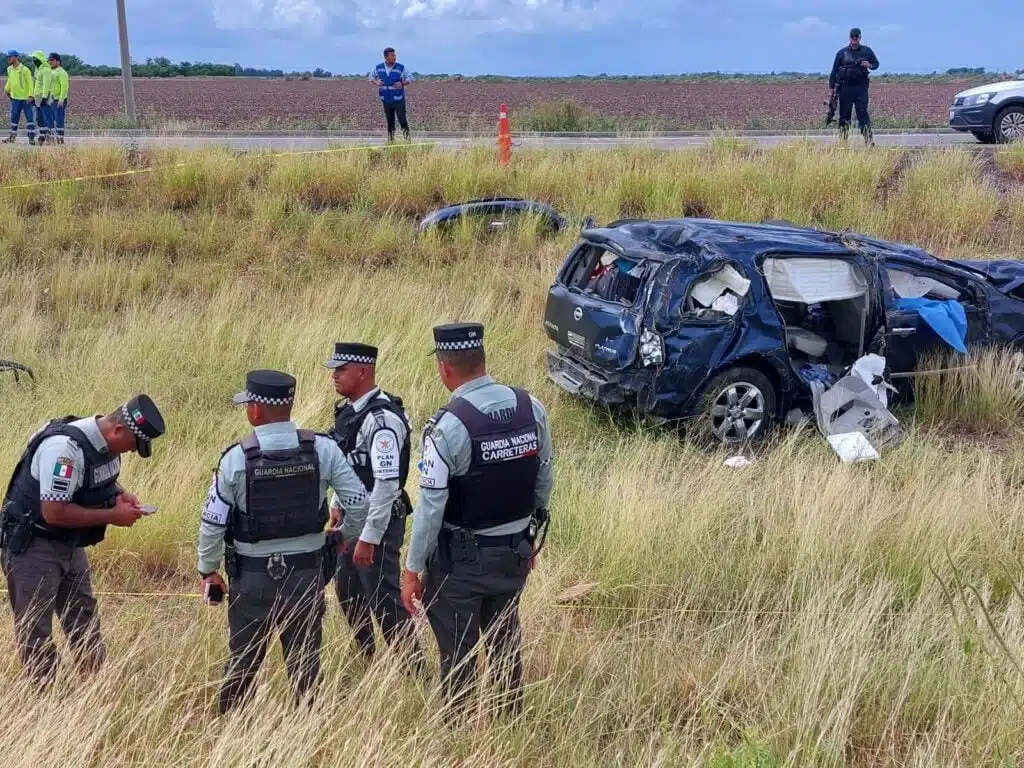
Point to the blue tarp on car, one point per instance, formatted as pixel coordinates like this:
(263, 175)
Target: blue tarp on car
(947, 318)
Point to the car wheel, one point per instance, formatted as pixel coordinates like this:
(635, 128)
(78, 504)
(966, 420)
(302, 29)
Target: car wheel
(1009, 125)
(738, 406)
(984, 138)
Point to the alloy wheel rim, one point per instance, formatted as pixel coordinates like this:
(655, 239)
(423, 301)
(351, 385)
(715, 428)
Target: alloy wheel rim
(738, 412)
(1012, 125)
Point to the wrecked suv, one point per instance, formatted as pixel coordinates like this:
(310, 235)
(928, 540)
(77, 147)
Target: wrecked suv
(730, 322)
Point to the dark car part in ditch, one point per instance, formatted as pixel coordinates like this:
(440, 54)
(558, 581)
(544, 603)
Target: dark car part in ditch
(9, 366)
(723, 325)
(499, 209)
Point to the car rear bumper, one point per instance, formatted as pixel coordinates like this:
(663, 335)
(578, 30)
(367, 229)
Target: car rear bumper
(978, 119)
(582, 381)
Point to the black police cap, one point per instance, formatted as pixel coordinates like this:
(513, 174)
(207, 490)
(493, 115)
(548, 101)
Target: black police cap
(267, 388)
(456, 337)
(346, 352)
(855, 32)
(143, 418)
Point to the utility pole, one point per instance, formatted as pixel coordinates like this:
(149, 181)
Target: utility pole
(126, 64)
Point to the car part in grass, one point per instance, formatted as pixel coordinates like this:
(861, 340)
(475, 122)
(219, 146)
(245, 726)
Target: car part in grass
(496, 207)
(9, 366)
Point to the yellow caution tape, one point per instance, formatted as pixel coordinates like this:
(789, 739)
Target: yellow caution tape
(134, 172)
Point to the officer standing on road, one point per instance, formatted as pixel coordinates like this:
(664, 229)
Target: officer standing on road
(265, 515)
(391, 79)
(485, 482)
(373, 430)
(61, 497)
(850, 75)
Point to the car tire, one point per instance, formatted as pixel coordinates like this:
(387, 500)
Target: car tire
(984, 138)
(1009, 125)
(727, 409)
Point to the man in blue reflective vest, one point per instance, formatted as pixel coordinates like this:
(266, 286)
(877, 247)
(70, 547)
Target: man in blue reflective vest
(391, 79)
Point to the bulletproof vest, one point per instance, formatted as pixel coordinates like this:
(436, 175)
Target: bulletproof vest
(99, 485)
(851, 72)
(499, 486)
(347, 424)
(282, 492)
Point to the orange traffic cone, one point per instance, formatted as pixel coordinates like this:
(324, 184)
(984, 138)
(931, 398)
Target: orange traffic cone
(504, 137)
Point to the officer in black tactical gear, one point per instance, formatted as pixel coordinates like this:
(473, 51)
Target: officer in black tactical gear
(485, 482)
(265, 516)
(373, 430)
(850, 76)
(62, 495)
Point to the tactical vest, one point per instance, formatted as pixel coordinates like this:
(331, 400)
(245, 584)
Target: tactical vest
(851, 70)
(282, 492)
(345, 433)
(99, 485)
(387, 92)
(499, 486)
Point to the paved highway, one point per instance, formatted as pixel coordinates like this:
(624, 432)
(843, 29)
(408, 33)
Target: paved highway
(295, 142)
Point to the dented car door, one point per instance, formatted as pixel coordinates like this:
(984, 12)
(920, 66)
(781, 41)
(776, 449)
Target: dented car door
(685, 340)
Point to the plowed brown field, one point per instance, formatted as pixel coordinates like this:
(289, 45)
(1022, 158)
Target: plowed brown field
(463, 104)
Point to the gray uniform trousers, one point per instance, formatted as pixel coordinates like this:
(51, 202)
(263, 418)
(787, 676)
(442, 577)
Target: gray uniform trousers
(47, 578)
(469, 595)
(259, 605)
(377, 591)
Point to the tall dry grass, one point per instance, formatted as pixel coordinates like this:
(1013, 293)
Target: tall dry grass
(798, 611)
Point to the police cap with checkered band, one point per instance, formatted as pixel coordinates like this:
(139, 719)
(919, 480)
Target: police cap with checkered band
(143, 418)
(346, 352)
(457, 337)
(267, 388)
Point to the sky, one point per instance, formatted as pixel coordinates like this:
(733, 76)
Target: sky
(529, 37)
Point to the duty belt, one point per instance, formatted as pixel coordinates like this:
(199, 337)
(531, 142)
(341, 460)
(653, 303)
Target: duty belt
(277, 566)
(508, 540)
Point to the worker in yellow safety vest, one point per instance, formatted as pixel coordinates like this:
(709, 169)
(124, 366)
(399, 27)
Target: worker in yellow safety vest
(20, 90)
(59, 95)
(43, 95)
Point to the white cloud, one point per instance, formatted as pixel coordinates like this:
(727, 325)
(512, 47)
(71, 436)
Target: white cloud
(890, 29)
(294, 13)
(472, 16)
(809, 26)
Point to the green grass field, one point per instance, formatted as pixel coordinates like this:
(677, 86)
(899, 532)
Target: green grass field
(796, 612)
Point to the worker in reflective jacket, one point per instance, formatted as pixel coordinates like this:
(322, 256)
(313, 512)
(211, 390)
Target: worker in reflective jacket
(60, 87)
(391, 79)
(43, 94)
(19, 89)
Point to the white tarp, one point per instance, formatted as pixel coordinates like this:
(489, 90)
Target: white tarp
(908, 286)
(812, 281)
(706, 290)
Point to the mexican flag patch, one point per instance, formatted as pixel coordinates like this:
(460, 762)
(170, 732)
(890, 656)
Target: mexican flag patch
(137, 415)
(63, 468)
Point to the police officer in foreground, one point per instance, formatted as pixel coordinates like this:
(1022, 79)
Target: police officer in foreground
(850, 75)
(265, 515)
(373, 431)
(485, 481)
(61, 497)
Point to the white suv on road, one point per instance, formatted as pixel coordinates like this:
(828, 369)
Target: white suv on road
(993, 113)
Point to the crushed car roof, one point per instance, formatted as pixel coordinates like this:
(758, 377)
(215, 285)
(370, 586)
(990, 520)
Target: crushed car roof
(702, 240)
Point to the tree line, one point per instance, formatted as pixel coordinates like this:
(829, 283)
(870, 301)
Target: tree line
(164, 67)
